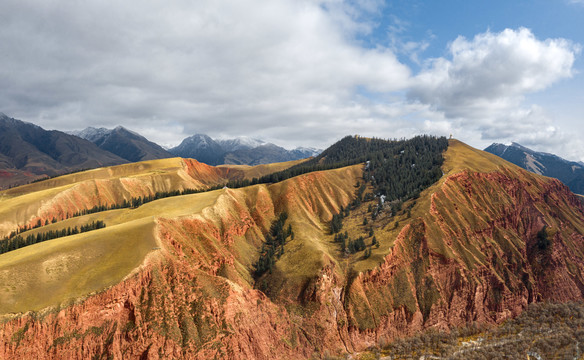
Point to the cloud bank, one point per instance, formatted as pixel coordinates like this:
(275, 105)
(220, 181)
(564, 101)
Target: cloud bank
(208, 66)
(492, 73)
(291, 71)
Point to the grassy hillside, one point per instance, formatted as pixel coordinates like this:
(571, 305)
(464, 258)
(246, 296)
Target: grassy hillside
(309, 202)
(63, 196)
(48, 273)
(95, 260)
(477, 246)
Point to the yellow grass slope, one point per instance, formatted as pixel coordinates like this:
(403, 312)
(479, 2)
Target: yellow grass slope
(257, 171)
(65, 195)
(459, 159)
(55, 271)
(64, 269)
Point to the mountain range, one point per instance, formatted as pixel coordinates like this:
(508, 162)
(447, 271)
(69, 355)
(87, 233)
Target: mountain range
(343, 255)
(29, 152)
(239, 151)
(569, 172)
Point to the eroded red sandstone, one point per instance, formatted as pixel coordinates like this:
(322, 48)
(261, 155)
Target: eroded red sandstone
(473, 257)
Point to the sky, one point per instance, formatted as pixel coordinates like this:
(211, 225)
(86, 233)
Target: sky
(300, 72)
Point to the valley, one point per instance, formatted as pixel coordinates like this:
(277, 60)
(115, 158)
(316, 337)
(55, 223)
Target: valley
(174, 277)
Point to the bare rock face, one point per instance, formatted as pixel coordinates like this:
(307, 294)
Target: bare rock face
(487, 245)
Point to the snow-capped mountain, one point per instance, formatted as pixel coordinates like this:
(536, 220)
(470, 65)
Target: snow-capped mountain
(125, 143)
(305, 152)
(90, 133)
(241, 150)
(239, 143)
(200, 147)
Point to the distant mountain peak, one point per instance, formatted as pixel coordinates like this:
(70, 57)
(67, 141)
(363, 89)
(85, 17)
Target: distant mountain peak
(307, 151)
(29, 151)
(123, 142)
(200, 147)
(15, 122)
(569, 172)
(90, 133)
(524, 148)
(124, 129)
(239, 143)
(199, 140)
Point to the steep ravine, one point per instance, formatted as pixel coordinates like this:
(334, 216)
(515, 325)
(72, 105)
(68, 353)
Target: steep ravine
(455, 266)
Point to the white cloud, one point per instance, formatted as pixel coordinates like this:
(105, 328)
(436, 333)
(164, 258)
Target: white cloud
(492, 73)
(209, 66)
(480, 90)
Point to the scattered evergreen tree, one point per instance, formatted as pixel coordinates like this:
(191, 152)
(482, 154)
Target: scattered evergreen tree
(336, 223)
(543, 242)
(273, 245)
(397, 169)
(19, 241)
(356, 246)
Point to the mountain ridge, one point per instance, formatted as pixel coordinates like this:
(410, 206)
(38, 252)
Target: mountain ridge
(124, 143)
(28, 152)
(241, 150)
(569, 172)
(33, 154)
(477, 246)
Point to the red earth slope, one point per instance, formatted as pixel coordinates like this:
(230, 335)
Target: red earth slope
(485, 241)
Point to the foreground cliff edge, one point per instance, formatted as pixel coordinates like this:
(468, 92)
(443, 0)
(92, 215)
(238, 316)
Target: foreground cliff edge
(174, 278)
